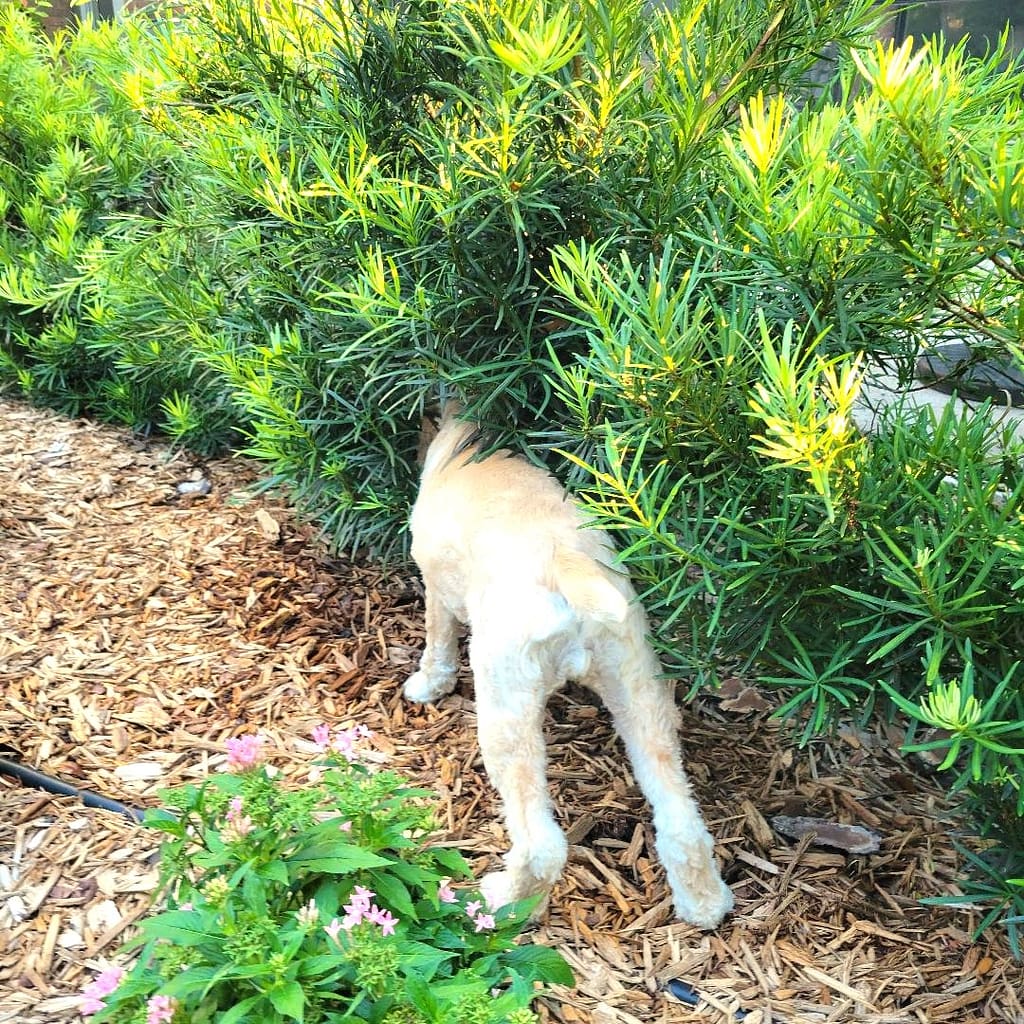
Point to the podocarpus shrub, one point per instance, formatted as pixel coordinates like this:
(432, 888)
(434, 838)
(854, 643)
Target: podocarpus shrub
(405, 178)
(728, 362)
(641, 236)
(96, 306)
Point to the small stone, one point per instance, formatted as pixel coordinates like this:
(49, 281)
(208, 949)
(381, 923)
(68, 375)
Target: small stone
(269, 526)
(200, 487)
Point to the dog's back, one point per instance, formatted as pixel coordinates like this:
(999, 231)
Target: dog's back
(501, 530)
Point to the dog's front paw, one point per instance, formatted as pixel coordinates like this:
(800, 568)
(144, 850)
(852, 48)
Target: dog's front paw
(500, 888)
(425, 688)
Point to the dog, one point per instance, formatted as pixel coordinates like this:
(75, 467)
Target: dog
(504, 550)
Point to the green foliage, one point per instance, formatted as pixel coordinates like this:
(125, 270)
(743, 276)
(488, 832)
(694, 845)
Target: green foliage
(318, 904)
(665, 244)
(727, 369)
(81, 190)
(391, 184)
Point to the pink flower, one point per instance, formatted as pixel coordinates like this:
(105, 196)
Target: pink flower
(345, 741)
(238, 825)
(345, 826)
(445, 893)
(235, 831)
(473, 908)
(354, 913)
(484, 922)
(244, 752)
(102, 985)
(344, 744)
(322, 736)
(384, 918)
(358, 907)
(89, 1005)
(108, 980)
(160, 1010)
(333, 928)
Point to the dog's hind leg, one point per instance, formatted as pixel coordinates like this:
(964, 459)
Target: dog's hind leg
(438, 671)
(510, 699)
(626, 675)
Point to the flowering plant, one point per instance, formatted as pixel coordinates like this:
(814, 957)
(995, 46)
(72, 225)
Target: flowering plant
(317, 904)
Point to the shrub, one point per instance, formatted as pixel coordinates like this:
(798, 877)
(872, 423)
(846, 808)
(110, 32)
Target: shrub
(402, 183)
(97, 310)
(765, 527)
(317, 904)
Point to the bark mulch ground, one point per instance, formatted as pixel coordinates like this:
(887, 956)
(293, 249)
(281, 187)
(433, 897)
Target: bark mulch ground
(141, 627)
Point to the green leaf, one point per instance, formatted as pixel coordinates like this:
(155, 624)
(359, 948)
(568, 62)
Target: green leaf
(196, 978)
(275, 871)
(239, 1010)
(289, 1000)
(452, 861)
(391, 893)
(183, 928)
(333, 859)
(418, 991)
(539, 963)
(417, 959)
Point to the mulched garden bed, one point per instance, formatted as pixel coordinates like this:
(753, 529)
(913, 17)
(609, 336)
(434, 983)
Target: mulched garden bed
(140, 627)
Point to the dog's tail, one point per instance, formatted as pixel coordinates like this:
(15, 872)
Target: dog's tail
(585, 585)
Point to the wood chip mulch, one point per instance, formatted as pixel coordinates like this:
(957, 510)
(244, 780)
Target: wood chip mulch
(140, 627)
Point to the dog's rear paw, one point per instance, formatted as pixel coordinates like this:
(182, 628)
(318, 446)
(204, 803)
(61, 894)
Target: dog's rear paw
(701, 897)
(425, 688)
(705, 909)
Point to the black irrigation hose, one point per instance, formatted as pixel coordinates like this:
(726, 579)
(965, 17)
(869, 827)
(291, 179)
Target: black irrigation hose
(30, 777)
(687, 994)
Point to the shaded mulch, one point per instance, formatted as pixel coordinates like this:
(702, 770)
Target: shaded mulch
(141, 627)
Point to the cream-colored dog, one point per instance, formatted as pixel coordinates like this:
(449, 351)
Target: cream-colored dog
(502, 549)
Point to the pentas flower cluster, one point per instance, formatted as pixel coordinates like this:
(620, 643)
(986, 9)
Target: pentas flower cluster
(159, 1009)
(343, 742)
(290, 824)
(244, 752)
(98, 989)
(236, 824)
(446, 894)
(483, 922)
(358, 910)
